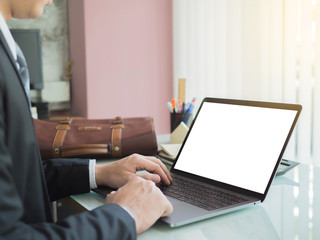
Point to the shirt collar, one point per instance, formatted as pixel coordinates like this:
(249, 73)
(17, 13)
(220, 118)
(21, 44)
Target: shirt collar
(8, 36)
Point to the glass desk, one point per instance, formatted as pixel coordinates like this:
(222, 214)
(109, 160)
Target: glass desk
(291, 211)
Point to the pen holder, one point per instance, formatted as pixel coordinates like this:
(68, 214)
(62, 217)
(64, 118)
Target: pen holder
(177, 118)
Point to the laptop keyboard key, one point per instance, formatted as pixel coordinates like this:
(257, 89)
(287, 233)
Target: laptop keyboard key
(199, 195)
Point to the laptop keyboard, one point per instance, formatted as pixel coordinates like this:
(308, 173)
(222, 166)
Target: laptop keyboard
(199, 195)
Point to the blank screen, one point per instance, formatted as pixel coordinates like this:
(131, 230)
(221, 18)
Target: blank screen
(235, 144)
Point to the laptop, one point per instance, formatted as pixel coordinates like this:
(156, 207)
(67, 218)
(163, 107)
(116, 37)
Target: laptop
(229, 158)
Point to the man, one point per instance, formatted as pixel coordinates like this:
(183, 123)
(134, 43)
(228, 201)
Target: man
(24, 200)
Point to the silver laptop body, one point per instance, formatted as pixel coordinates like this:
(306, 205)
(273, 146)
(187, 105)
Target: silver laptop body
(233, 146)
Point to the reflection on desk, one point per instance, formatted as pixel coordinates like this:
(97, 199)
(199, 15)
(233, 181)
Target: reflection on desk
(251, 223)
(291, 211)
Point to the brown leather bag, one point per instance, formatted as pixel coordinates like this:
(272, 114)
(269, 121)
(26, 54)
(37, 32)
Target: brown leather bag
(100, 138)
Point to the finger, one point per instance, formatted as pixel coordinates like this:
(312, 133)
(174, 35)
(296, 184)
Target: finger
(168, 209)
(163, 167)
(153, 166)
(109, 197)
(111, 194)
(149, 176)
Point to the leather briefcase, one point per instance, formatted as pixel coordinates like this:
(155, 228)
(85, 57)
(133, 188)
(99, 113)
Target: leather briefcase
(100, 138)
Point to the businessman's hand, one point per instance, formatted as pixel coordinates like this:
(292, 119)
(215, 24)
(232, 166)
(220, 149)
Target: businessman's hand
(143, 200)
(118, 173)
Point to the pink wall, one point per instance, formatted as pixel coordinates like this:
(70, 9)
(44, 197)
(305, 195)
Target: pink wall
(127, 56)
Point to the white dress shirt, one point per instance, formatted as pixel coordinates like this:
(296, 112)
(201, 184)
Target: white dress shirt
(12, 45)
(7, 35)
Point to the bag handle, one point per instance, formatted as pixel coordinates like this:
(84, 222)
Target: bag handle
(64, 126)
(84, 150)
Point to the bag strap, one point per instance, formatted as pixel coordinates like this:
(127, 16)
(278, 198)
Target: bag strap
(117, 127)
(62, 129)
(84, 150)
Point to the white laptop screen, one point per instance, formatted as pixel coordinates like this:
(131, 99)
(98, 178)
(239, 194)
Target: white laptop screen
(236, 144)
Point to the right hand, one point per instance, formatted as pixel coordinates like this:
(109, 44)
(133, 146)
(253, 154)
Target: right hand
(143, 200)
(118, 173)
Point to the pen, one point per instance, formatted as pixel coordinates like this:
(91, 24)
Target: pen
(180, 110)
(169, 105)
(173, 102)
(191, 106)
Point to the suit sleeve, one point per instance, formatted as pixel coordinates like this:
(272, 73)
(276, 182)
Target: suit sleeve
(105, 222)
(65, 177)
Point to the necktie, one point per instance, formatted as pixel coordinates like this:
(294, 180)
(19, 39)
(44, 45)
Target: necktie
(23, 71)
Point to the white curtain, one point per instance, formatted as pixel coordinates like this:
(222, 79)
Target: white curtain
(253, 49)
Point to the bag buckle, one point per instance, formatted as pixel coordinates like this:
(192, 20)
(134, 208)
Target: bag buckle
(117, 120)
(66, 121)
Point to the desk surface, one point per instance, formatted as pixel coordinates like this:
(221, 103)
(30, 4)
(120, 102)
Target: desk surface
(290, 211)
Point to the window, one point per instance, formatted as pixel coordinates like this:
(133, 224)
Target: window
(254, 49)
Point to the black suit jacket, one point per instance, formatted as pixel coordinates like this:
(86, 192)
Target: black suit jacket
(24, 200)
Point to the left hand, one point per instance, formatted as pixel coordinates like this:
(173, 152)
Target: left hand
(118, 173)
(143, 200)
